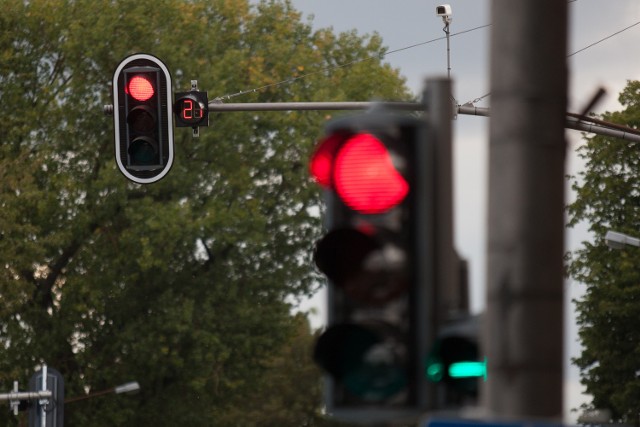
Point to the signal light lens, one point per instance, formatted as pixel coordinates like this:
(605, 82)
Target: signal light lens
(364, 176)
(368, 268)
(369, 361)
(143, 151)
(140, 88)
(142, 119)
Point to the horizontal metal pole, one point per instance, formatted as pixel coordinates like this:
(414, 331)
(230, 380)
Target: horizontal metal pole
(312, 106)
(470, 110)
(26, 395)
(573, 122)
(601, 128)
(576, 124)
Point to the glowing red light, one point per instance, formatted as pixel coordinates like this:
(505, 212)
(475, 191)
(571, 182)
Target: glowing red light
(365, 178)
(140, 88)
(321, 163)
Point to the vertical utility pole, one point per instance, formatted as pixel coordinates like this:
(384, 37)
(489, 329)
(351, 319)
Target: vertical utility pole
(524, 326)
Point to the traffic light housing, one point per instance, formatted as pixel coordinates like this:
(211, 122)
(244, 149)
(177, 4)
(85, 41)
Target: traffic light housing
(378, 172)
(143, 118)
(192, 109)
(456, 364)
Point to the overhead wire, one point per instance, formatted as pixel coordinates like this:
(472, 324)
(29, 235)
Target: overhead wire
(384, 54)
(346, 64)
(571, 54)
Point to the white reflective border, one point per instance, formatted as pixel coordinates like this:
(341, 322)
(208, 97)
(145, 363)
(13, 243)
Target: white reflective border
(116, 117)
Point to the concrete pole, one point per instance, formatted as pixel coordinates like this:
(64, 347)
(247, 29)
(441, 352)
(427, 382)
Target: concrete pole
(524, 326)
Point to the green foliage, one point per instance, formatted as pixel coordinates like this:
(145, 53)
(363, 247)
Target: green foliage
(181, 285)
(608, 198)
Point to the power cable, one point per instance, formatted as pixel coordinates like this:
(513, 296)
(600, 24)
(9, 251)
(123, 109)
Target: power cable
(570, 55)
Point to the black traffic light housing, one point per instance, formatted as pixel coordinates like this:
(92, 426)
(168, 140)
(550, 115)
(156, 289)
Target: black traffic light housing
(143, 118)
(456, 363)
(378, 171)
(191, 109)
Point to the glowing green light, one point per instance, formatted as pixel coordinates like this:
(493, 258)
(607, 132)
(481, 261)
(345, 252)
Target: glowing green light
(468, 369)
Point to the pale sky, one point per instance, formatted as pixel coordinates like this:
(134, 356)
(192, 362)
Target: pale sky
(403, 23)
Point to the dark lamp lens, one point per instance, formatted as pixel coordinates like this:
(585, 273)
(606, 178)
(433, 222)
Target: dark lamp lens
(142, 119)
(367, 360)
(368, 268)
(143, 151)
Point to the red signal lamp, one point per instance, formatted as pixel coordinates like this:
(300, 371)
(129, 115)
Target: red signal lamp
(365, 177)
(140, 88)
(360, 169)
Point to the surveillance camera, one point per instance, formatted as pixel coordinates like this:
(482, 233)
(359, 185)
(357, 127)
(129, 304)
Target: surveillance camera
(444, 10)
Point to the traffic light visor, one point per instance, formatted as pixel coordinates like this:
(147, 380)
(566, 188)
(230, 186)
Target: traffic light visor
(321, 163)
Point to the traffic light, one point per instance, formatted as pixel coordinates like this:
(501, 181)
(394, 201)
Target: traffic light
(143, 118)
(456, 364)
(378, 172)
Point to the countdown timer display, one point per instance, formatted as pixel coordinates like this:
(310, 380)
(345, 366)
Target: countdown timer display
(191, 109)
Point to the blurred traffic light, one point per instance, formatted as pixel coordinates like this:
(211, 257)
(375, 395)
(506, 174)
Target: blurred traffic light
(377, 169)
(143, 118)
(456, 364)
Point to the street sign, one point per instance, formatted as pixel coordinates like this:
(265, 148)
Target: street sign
(52, 409)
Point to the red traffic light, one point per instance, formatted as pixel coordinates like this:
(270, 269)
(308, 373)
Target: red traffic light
(377, 258)
(140, 88)
(143, 118)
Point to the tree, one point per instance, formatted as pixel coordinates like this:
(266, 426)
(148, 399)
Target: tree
(608, 198)
(289, 392)
(181, 285)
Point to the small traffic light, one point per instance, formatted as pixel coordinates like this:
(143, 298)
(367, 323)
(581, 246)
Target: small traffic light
(455, 362)
(143, 118)
(377, 169)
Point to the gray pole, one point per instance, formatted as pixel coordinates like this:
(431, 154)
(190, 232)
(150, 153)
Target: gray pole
(440, 110)
(524, 326)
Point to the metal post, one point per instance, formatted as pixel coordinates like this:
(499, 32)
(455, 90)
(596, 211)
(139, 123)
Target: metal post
(447, 32)
(43, 403)
(524, 320)
(437, 97)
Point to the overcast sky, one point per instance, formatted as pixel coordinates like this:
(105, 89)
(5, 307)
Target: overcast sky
(404, 23)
